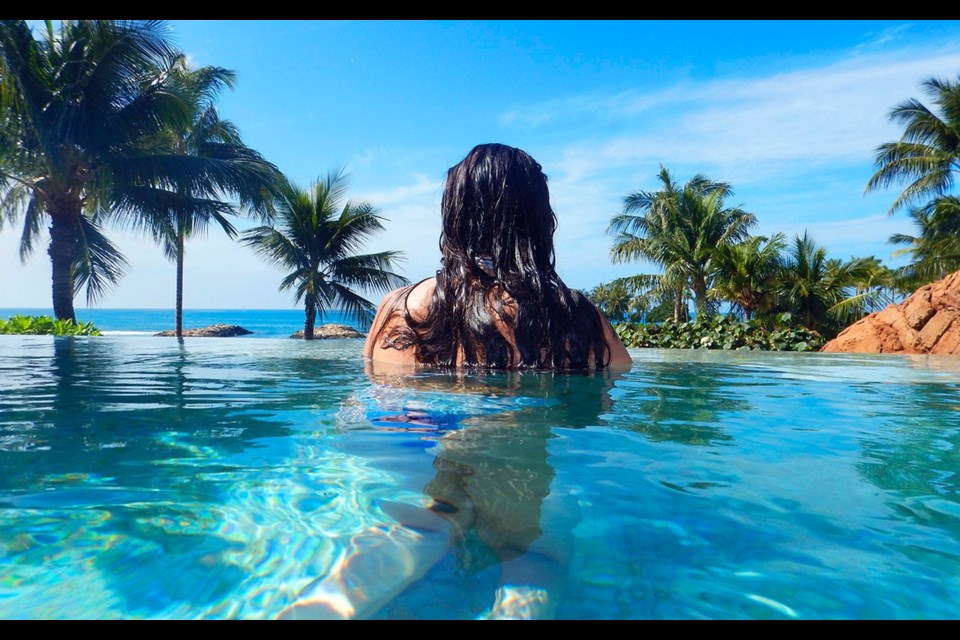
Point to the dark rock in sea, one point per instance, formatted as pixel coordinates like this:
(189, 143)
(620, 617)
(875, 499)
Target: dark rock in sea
(213, 331)
(331, 331)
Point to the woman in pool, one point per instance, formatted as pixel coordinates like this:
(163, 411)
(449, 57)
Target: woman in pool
(497, 301)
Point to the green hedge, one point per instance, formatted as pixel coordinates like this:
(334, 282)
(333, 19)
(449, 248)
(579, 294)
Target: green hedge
(45, 326)
(718, 332)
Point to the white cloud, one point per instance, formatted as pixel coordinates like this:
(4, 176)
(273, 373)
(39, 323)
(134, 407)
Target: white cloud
(405, 193)
(747, 128)
(885, 36)
(797, 146)
(854, 236)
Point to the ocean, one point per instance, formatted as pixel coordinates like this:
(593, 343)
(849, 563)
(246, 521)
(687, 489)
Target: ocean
(264, 323)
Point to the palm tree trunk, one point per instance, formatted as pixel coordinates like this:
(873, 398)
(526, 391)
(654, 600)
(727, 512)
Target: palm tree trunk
(699, 286)
(63, 250)
(180, 245)
(310, 320)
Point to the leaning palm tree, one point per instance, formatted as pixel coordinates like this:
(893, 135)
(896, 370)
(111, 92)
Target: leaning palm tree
(927, 156)
(316, 239)
(679, 229)
(214, 147)
(76, 107)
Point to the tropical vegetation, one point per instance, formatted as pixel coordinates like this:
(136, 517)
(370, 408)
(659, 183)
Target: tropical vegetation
(679, 228)
(823, 293)
(793, 290)
(78, 108)
(788, 295)
(221, 163)
(45, 325)
(719, 332)
(316, 238)
(927, 156)
(746, 274)
(104, 122)
(927, 159)
(626, 299)
(935, 251)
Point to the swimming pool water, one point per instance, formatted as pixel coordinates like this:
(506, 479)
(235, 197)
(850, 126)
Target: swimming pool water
(225, 478)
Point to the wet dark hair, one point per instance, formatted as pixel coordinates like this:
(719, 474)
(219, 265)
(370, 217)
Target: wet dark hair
(498, 278)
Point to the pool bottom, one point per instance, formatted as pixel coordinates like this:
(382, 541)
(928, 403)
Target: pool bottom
(146, 479)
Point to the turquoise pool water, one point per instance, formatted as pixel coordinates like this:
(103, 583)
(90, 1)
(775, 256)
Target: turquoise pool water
(229, 478)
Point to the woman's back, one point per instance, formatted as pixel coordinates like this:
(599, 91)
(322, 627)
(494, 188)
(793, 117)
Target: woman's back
(386, 344)
(497, 301)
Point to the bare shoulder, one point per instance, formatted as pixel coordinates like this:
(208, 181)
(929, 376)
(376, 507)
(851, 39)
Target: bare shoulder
(418, 302)
(619, 356)
(415, 299)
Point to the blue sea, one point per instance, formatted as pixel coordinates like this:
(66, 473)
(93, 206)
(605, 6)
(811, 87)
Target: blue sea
(264, 323)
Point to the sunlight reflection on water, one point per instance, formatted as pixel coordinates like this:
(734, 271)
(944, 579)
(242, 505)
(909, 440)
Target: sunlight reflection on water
(229, 478)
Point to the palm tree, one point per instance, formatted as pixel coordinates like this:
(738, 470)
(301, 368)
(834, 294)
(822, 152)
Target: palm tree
(822, 292)
(746, 273)
(316, 241)
(214, 146)
(76, 107)
(928, 153)
(626, 299)
(936, 251)
(881, 285)
(679, 229)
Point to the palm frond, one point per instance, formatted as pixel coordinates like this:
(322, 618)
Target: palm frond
(276, 247)
(926, 156)
(353, 305)
(99, 264)
(32, 228)
(370, 271)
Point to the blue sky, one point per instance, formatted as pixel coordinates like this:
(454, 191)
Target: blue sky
(789, 113)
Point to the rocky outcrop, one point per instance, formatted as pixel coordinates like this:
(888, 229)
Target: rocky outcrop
(213, 331)
(926, 322)
(331, 331)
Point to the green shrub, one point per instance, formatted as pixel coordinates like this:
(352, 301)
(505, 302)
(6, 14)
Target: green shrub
(45, 325)
(718, 332)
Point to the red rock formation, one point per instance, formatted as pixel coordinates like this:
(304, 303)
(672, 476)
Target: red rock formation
(926, 322)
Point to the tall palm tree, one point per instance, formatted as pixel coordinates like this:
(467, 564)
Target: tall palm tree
(214, 146)
(746, 273)
(316, 239)
(820, 291)
(927, 155)
(76, 107)
(679, 229)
